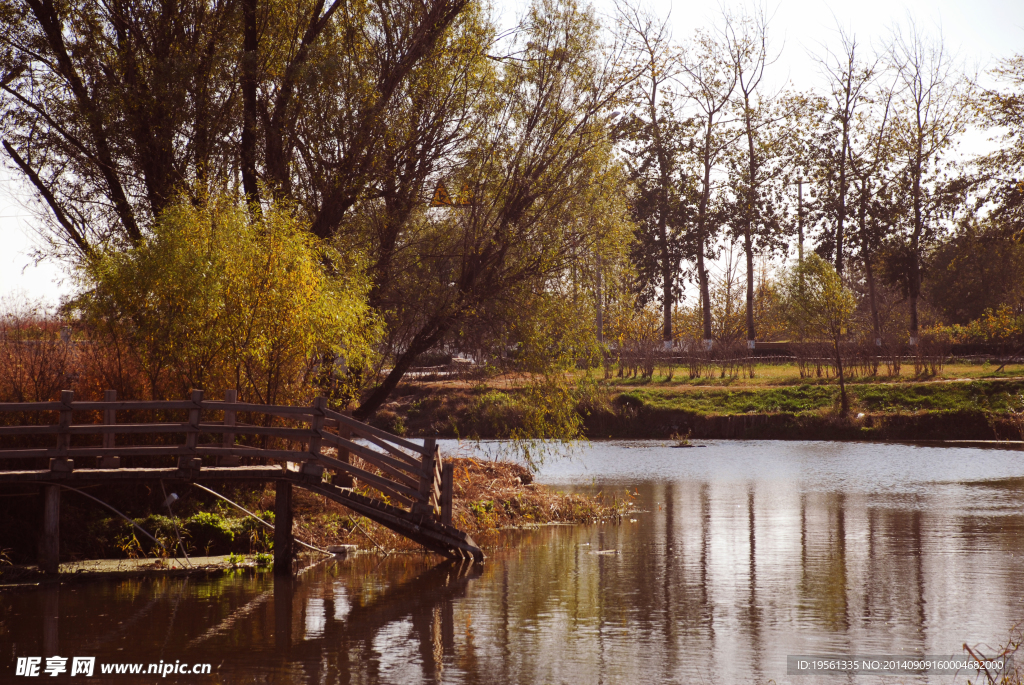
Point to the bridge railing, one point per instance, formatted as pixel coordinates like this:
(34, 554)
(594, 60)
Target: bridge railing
(406, 473)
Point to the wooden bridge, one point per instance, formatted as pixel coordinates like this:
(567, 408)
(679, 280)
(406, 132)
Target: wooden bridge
(406, 486)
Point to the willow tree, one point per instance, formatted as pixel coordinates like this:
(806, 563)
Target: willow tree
(531, 176)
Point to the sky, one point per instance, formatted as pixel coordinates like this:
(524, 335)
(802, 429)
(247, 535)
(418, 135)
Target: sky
(980, 31)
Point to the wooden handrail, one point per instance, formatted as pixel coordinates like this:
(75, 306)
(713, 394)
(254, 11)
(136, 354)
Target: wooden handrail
(381, 461)
(366, 430)
(411, 479)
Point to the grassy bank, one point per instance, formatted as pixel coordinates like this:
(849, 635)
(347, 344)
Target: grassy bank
(961, 403)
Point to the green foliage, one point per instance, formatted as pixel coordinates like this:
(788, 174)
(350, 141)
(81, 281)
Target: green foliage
(1002, 326)
(538, 420)
(263, 559)
(214, 298)
(235, 560)
(210, 533)
(818, 306)
(976, 271)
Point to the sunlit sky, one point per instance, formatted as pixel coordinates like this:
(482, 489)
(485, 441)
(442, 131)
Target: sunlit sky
(980, 31)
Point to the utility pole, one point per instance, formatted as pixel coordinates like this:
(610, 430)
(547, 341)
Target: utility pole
(800, 218)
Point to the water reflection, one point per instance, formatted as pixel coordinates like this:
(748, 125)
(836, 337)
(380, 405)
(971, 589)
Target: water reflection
(717, 582)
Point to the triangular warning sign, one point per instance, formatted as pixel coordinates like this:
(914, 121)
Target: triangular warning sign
(441, 197)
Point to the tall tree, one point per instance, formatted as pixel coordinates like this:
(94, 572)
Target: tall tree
(749, 52)
(875, 187)
(932, 111)
(656, 142)
(848, 77)
(709, 82)
(1002, 110)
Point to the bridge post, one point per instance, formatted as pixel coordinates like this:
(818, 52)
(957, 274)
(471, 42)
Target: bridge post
(283, 527)
(311, 467)
(49, 539)
(190, 462)
(228, 439)
(109, 418)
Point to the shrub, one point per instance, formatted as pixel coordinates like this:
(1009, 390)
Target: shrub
(210, 533)
(217, 298)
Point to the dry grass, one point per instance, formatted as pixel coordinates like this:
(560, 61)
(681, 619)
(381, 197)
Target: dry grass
(490, 496)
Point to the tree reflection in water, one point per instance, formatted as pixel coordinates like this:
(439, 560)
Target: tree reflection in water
(719, 580)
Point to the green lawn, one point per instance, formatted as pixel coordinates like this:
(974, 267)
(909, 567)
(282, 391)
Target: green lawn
(980, 395)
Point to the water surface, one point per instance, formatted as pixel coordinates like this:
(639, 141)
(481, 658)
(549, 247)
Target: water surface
(746, 552)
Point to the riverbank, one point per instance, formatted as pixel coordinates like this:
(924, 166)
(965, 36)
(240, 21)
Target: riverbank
(903, 409)
(490, 496)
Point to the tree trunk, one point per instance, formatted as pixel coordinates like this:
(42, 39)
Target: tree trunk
(702, 218)
(844, 402)
(872, 298)
(914, 277)
(423, 341)
(663, 180)
(749, 249)
(748, 238)
(249, 105)
(841, 218)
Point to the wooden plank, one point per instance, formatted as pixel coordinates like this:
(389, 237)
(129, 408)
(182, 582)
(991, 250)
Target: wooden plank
(131, 406)
(169, 427)
(151, 451)
(360, 428)
(442, 539)
(127, 428)
(269, 472)
(30, 406)
(343, 479)
(376, 458)
(381, 462)
(30, 430)
(276, 409)
(188, 461)
(280, 455)
(249, 429)
(388, 487)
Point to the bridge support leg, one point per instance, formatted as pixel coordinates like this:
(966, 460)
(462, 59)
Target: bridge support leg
(283, 527)
(49, 538)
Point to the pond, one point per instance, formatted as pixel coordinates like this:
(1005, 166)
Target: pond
(746, 553)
